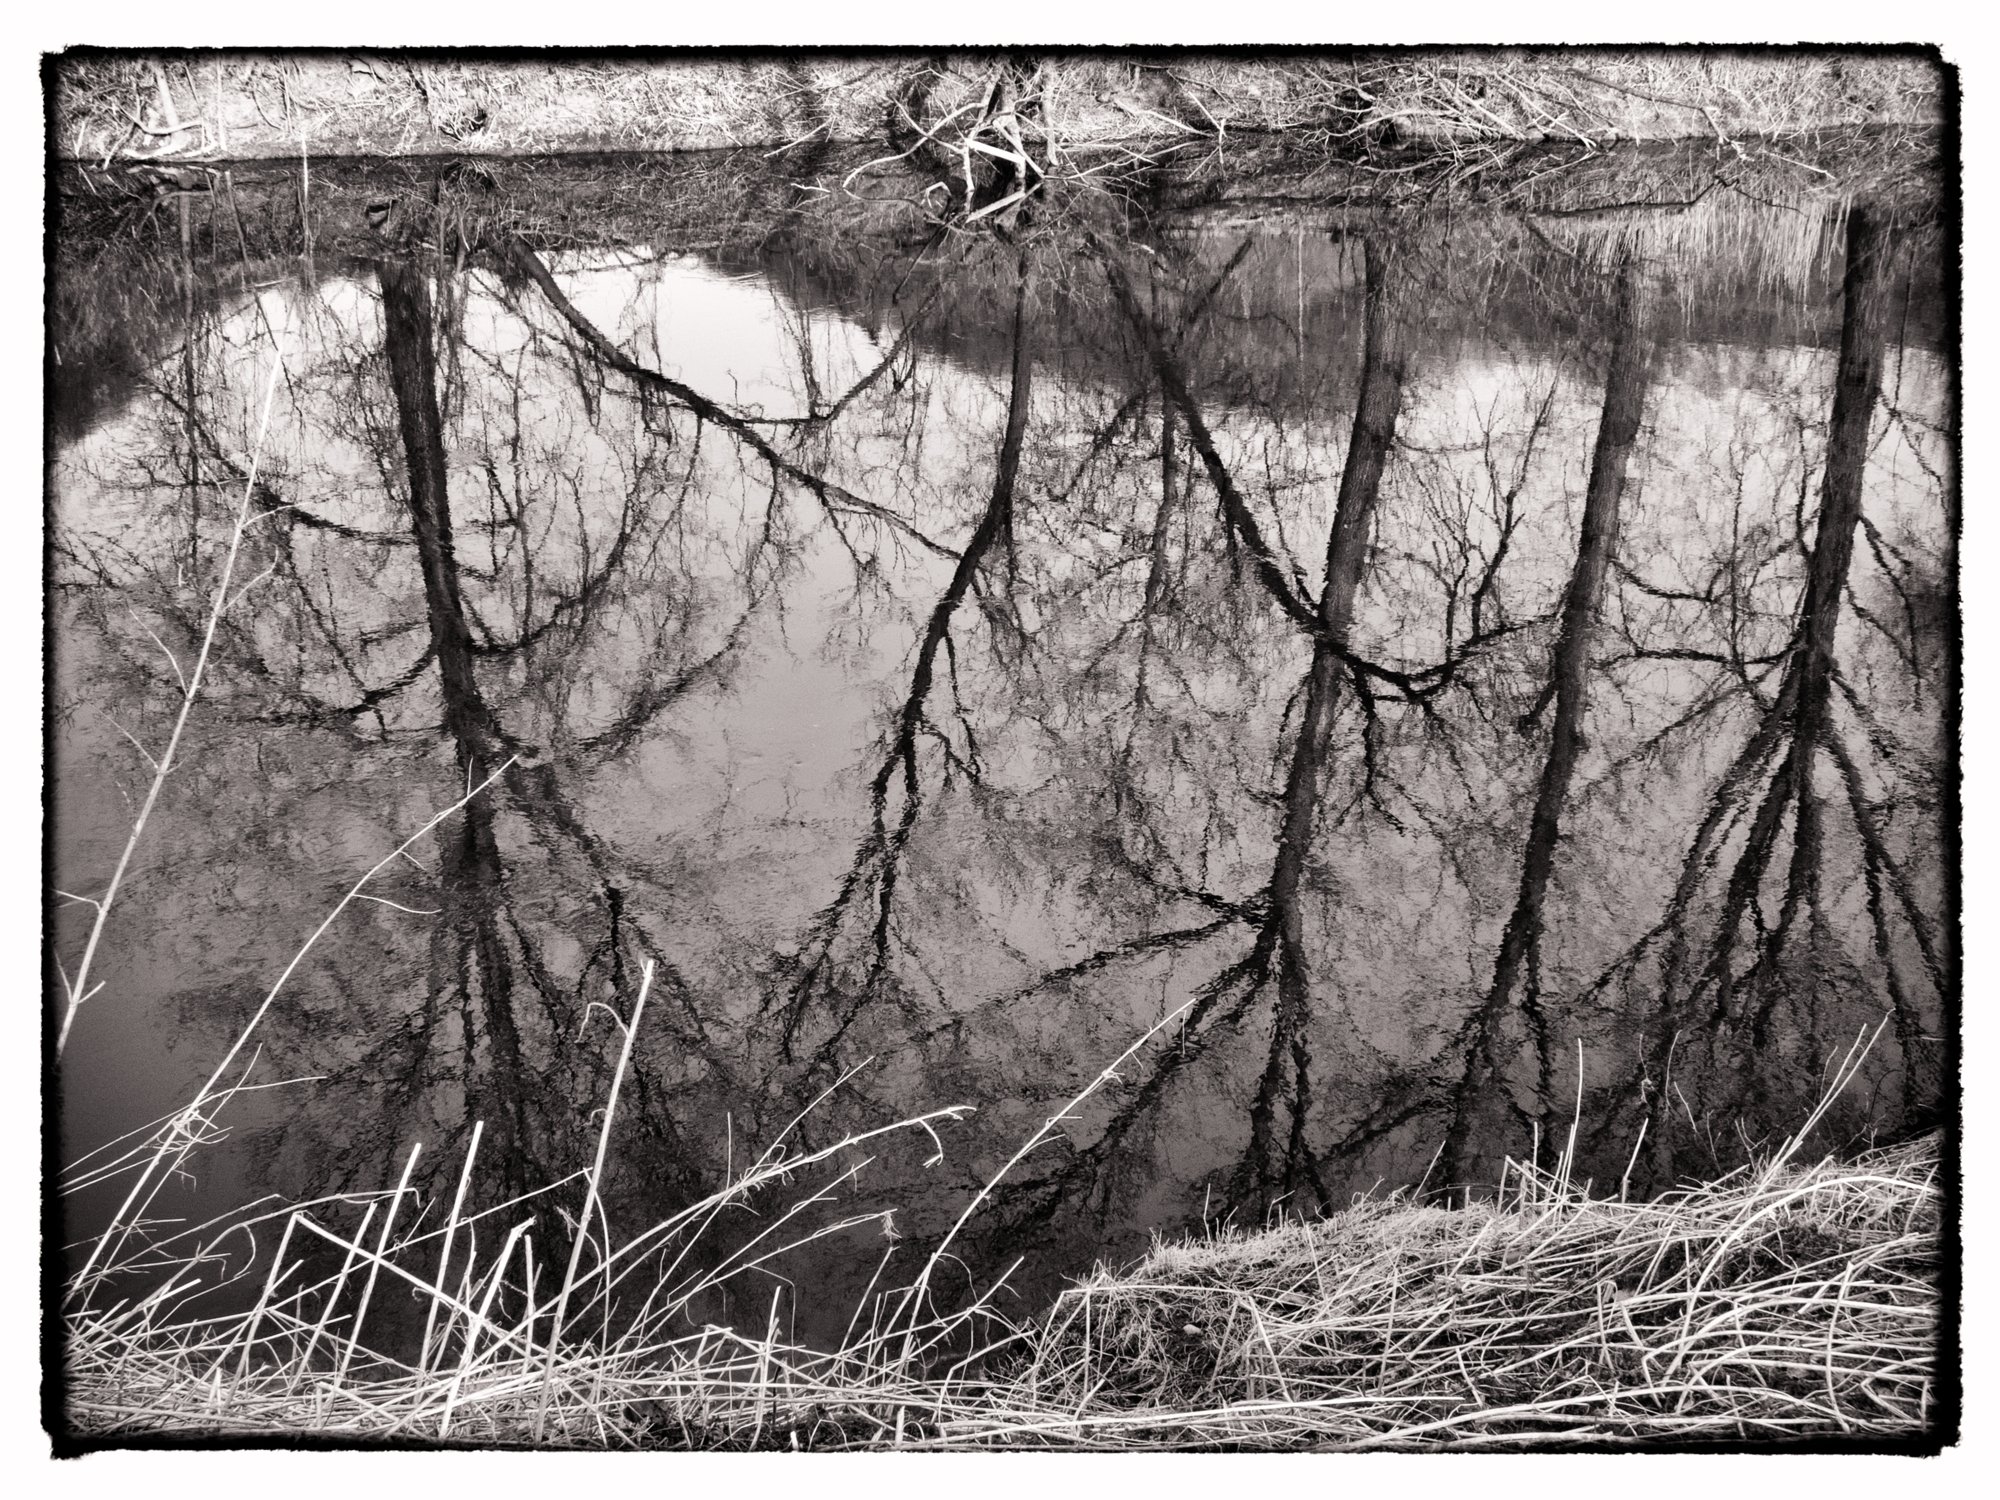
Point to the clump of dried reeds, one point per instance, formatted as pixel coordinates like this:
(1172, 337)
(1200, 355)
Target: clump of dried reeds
(507, 1353)
(1787, 1300)
(611, 1352)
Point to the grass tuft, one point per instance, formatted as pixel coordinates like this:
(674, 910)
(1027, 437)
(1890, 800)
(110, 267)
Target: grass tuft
(1779, 1303)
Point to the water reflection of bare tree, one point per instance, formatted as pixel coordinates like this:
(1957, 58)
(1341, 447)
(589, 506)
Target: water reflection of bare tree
(1496, 1079)
(523, 1056)
(1746, 995)
(1282, 1159)
(1516, 989)
(1278, 1162)
(488, 974)
(494, 1033)
(872, 877)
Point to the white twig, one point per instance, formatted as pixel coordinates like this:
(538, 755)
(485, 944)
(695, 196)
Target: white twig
(414, 911)
(193, 687)
(178, 677)
(244, 591)
(631, 1029)
(133, 739)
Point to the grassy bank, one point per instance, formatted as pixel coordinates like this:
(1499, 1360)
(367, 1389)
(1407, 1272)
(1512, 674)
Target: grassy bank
(217, 106)
(1791, 1300)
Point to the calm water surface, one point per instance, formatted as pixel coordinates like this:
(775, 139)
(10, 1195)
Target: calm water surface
(1471, 666)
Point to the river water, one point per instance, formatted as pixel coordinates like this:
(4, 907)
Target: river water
(1470, 676)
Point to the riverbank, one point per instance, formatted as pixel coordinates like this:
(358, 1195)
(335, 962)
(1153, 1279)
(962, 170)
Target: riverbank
(208, 106)
(1786, 1302)
(137, 245)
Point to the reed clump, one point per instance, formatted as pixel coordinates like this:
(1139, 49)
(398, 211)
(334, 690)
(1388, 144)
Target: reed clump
(1780, 1302)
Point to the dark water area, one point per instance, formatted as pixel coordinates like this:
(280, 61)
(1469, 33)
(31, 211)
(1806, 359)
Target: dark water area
(1480, 671)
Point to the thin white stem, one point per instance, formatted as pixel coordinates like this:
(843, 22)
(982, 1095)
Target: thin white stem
(278, 1273)
(472, 1329)
(179, 676)
(415, 911)
(133, 740)
(244, 591)
(165, 764)
(444, 1255)
(375, 1266)
(333, 1298)
(590, 1200)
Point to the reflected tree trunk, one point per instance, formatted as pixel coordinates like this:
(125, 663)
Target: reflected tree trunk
(1273, 1172)
(411, 332)
(471, 876)
(190, 390)
(1718, 1023)
(1485, 1118)
(1797, 724)
(484, 957)
(408, 336)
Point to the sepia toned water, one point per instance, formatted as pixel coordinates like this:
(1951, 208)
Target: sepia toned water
(1479, 679)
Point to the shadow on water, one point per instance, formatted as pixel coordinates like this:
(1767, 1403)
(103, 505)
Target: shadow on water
(1496, 665)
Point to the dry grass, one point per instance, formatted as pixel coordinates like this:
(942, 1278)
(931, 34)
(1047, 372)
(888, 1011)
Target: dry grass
(1784, 1302)
(248, 105)
(1791, 1300)
(241, 105)
(1596, 96)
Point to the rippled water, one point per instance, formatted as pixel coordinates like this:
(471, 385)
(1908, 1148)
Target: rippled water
(1480, 673)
